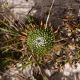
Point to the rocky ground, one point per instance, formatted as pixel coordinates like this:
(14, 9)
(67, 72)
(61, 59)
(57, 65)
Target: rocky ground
(40, 10)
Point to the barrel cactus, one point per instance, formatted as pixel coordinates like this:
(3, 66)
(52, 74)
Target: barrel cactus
(40, 40)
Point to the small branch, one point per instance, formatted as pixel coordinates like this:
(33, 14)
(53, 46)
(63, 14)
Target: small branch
(61, 40)
(17, 18)
(49, 14)
(33, 6)
(42, 70)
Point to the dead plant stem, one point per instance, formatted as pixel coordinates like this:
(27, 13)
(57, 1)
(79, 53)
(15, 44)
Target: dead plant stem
(40, 66)
(49, 14)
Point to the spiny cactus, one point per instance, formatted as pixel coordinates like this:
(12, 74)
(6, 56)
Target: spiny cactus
(40, 40)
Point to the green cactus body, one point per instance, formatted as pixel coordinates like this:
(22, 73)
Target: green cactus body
(40, 40)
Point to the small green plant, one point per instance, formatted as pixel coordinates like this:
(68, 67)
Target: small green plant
(40, 40)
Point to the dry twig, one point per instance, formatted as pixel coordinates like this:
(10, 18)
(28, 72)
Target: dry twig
(49, 14)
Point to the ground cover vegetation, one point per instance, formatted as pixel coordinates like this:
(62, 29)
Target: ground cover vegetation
(35, 43)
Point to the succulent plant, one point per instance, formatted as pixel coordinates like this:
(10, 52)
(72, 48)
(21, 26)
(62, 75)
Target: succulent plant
(40, 40)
